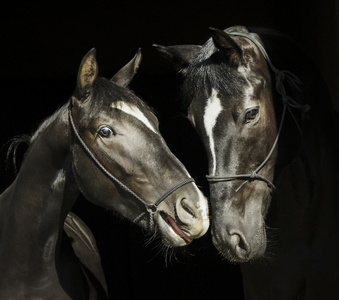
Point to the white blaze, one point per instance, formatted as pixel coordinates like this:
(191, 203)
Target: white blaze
(212, 110)
(133, 111)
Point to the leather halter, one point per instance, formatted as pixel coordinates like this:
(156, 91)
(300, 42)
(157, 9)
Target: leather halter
(150, 208)
(288, 102)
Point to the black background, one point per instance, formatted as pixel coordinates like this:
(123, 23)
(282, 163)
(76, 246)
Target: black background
(41, 48)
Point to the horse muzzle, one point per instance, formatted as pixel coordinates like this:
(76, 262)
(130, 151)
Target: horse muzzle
(184, 221)
(240, 245)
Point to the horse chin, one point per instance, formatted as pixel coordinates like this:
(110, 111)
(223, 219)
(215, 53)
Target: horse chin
(172, 235)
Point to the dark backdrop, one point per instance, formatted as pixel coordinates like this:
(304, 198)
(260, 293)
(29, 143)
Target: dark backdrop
(41, 48)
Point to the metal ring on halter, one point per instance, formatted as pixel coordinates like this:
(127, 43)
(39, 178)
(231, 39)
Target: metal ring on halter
(150, 208)
(288, 102)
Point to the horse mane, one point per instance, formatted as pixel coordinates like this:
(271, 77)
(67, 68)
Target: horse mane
(14, 144)
(268, 32)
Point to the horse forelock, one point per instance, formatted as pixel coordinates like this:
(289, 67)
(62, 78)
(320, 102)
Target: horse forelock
(208, 71)
(106, 94)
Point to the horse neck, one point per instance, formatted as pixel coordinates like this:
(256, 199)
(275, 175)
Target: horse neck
(31, 209)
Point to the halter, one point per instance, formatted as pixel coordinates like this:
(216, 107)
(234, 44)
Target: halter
(288, 102)
(150, 208)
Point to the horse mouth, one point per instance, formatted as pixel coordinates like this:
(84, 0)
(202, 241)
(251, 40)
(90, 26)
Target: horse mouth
(171, 223)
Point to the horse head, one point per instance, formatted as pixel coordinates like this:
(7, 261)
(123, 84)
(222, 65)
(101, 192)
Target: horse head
(121, 161)
(227, 85)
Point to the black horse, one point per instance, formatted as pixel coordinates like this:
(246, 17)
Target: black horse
(268, 127)
(104, 143)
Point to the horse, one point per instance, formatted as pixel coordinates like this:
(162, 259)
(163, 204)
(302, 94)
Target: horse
(269, 130)
(104, 143)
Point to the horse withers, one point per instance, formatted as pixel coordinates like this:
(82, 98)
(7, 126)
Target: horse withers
(269, 129)
(104, 143)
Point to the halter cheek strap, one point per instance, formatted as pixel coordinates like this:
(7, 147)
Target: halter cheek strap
(150, 208)
(288, 102)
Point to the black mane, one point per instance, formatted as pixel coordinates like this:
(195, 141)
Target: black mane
(12, 151)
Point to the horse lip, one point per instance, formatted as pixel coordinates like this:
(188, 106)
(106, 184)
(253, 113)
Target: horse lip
(171, 223)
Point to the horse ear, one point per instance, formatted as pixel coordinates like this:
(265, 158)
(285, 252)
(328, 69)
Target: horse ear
(227, 45)
(125, 75)
(179, 55)
(88, 72)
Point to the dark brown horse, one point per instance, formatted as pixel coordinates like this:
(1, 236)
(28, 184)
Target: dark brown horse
(104, 143)
(266, 120)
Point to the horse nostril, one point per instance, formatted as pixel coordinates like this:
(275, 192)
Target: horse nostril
(240, 245)
(185, 205)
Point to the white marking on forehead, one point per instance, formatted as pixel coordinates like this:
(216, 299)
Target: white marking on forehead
(212, 111)
(133, 111)
(249, 91)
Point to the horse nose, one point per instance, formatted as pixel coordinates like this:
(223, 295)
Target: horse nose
(192, 216)
(240, 246)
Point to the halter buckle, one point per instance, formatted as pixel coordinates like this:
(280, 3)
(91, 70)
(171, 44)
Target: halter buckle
(151, 208)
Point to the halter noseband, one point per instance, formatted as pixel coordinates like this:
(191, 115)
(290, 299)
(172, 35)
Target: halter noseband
(288, 102)
(150, 208)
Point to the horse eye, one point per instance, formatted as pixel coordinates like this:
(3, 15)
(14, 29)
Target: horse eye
(251, 115)
(106, 132)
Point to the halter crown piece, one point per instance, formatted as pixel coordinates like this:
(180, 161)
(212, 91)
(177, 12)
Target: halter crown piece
(150, 208)
(288, 102)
